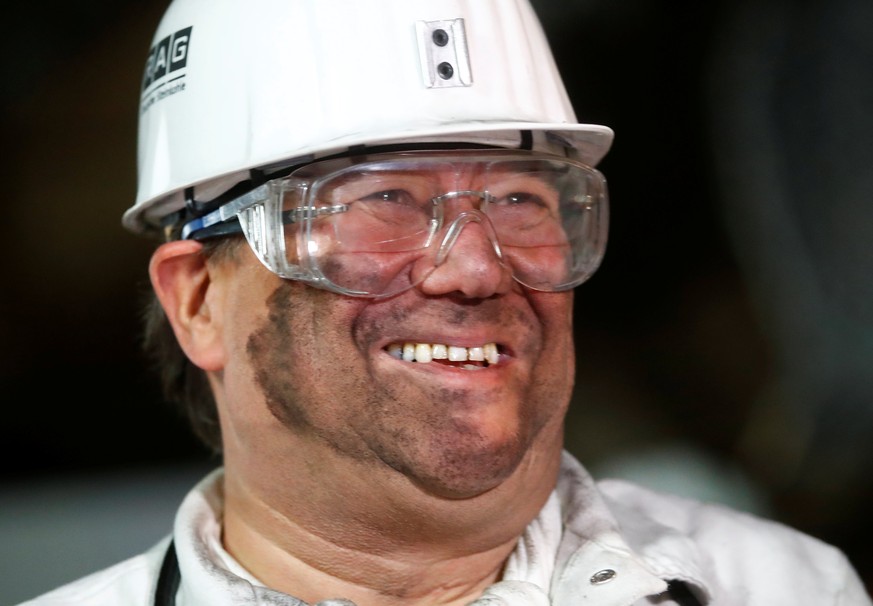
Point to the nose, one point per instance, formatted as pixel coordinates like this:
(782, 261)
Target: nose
(469, 261)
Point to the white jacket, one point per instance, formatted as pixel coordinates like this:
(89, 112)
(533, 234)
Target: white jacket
(610, 543)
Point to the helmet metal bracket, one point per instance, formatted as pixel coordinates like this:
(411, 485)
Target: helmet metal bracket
(442, 48)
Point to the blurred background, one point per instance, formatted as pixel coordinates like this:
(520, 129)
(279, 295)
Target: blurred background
(724, 347)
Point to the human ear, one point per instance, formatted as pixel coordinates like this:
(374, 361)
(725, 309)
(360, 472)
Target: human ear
(181, 279)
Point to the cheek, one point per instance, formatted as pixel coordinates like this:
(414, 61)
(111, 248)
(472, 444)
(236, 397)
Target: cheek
(277, 352)
(295, 347)
(555, 311)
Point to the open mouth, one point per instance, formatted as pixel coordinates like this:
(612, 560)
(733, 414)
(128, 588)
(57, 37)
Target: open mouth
(469, 358)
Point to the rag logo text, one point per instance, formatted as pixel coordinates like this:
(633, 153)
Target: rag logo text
(163, 65)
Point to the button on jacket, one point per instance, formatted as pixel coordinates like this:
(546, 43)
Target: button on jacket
(607, 543)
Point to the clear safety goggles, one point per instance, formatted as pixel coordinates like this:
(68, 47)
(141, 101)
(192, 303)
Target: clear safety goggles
(357, 226)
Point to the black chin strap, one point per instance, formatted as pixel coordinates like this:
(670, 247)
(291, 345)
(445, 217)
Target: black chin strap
(169, 578)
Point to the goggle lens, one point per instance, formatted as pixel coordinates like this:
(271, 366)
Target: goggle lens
(357, 226)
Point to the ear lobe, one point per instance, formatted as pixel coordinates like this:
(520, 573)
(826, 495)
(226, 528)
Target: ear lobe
(181, 279)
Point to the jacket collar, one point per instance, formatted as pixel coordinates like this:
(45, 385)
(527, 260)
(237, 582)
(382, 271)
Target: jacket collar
(603, 532)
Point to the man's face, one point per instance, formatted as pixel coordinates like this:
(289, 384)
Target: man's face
(328, 368)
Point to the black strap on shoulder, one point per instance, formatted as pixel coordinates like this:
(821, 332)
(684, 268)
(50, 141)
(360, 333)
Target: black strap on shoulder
(168, 579)
(681, 594)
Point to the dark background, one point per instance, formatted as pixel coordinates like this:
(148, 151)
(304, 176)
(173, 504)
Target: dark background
(724, 346)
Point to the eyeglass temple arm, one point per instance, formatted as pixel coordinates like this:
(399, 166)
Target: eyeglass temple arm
(220, 221)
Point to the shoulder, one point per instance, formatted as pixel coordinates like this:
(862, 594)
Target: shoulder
(715, 526)
(128, 583)
(732, 548)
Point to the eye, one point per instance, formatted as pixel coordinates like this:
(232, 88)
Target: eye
(396, 196)
(523, 211)
(518, 198)
(526, 192)
(391, 206)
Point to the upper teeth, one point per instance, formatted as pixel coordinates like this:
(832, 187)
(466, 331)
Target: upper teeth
(426, 352)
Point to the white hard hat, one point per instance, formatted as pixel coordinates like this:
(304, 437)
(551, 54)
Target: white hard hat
(233, 85)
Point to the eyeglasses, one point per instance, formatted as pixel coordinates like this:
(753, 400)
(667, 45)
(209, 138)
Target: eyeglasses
(357, 225)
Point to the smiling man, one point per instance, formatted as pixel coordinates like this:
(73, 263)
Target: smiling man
(374, 214)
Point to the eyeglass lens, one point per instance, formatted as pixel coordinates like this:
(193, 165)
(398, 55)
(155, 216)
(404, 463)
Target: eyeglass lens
(377, 218)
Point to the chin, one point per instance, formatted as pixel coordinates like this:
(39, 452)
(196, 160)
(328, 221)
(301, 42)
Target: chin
(463, 473)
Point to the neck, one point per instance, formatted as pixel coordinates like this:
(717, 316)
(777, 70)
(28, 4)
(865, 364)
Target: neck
(380, 543)
(318, 568)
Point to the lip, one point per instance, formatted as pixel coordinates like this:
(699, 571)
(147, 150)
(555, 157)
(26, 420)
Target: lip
(449, 372)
